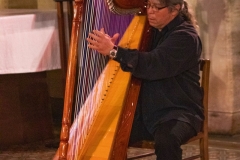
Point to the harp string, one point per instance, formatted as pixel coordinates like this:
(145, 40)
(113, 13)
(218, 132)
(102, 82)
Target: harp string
(91, 64)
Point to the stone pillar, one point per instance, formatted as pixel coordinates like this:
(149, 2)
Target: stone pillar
(220, 33)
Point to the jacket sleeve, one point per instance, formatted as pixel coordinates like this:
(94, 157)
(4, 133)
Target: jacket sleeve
(179, 52)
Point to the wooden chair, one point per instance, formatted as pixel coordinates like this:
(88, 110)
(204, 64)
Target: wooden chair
(202, 136)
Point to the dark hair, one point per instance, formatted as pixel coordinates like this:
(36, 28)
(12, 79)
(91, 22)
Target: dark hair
(184, 10)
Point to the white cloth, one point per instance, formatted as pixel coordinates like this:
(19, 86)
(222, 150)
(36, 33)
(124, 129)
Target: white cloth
(28, 41)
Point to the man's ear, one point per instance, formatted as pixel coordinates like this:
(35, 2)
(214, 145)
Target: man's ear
(176, 10)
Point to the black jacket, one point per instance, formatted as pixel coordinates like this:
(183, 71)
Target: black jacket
(170, 75)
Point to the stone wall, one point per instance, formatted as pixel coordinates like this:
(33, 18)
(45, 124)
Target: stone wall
(46, 4)
(27, 4)
(2, 4)
(220, 32)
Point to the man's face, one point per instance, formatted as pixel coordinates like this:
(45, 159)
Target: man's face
(158, 14)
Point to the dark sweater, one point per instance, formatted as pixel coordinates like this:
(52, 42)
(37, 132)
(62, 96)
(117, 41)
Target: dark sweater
(170, 75)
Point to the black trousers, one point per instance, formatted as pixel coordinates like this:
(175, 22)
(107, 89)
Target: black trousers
(168, 138)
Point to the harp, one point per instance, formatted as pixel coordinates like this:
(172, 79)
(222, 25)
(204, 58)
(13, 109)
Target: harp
(104, 133)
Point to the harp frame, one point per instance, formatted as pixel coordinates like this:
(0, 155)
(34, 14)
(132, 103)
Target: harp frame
(126, 119)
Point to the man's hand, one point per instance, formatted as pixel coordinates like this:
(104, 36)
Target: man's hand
(101, 42)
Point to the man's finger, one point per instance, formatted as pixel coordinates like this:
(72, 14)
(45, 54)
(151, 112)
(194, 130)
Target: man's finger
(102, 30)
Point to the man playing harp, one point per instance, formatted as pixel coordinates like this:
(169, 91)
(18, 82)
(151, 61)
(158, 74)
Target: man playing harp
(170, 109)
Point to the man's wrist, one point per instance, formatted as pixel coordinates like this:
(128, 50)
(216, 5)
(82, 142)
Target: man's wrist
(113, 52)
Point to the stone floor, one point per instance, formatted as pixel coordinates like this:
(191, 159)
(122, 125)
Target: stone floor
(220, 148)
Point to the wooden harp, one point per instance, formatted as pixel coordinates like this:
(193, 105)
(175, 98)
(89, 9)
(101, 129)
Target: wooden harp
(116, 108)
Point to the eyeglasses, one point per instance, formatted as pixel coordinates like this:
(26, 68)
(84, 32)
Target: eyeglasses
(154, 7)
